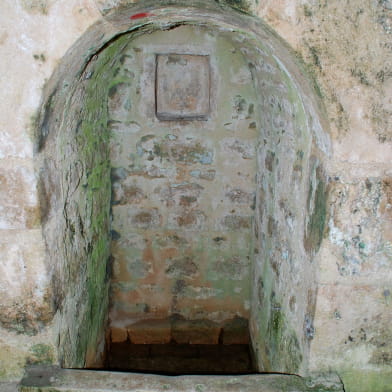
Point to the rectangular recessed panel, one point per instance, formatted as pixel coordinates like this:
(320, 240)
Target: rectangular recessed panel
(182, 87)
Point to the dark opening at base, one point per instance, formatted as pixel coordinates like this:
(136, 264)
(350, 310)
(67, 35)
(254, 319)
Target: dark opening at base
(177, 359)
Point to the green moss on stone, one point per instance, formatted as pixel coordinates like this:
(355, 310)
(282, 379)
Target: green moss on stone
(310, 71)
(89, 270)
(277, 345)
(316, 224)
(283, 345)
(293, 355)
(93, 142)
(41, 354)
(276, 321)
(240, 5)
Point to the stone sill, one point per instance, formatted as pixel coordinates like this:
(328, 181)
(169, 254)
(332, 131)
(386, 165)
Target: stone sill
(54, 379)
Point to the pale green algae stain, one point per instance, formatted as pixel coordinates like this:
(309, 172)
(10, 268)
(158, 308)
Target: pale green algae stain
(366, 380)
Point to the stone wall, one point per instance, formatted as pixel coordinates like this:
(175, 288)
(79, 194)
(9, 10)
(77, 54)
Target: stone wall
(31, 49)
(346, 47)
(183, 190)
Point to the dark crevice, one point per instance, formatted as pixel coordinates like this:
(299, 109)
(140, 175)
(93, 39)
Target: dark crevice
(341, 381)
(180, 359)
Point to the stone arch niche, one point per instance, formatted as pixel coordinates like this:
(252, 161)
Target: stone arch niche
(94, 155)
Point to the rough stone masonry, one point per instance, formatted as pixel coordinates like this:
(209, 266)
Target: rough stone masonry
(343, 48)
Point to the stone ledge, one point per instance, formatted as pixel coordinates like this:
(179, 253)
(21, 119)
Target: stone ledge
(8, 387)
(54, 379)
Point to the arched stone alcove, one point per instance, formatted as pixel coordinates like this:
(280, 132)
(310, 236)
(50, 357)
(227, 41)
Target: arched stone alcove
(93, 108)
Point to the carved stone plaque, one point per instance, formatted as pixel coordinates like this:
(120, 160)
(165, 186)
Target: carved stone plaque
(182, 87)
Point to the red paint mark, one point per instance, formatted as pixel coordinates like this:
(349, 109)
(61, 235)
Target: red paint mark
(141, 15)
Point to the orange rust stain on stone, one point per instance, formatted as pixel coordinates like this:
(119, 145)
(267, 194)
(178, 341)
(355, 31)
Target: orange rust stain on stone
(168, 253)
(148, 253)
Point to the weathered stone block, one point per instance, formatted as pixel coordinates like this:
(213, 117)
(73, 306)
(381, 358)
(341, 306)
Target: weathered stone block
(182, 267)
(18, 198)
(195, 332)
(238, 148)
(118, 335)
(150, 332)
(189, 152)
(146, 218)
(125, 193)
(119, 101)
(359, 227)
(208, 175)
(239, 196)
(191, 220)
(345, 333)
(235, 331)
(24, 285)
(182, 87)
(237, 222)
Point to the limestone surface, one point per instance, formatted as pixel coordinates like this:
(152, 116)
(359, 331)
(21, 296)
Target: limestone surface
(41, 379)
